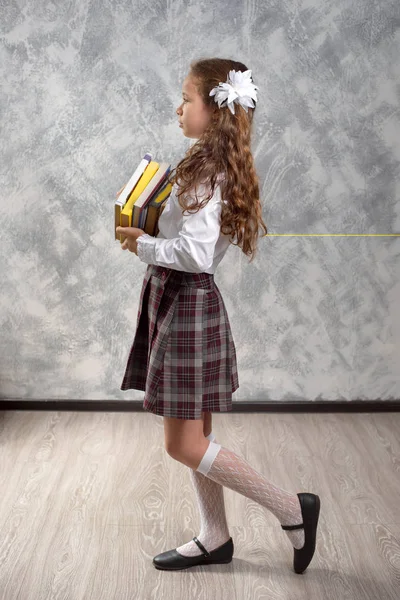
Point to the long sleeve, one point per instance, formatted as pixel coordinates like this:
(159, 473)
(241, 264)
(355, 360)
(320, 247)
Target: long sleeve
(193, 250)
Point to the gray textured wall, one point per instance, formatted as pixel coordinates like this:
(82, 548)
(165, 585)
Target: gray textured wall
(87, 87)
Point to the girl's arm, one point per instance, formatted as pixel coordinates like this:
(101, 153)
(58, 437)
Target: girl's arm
(193, 250)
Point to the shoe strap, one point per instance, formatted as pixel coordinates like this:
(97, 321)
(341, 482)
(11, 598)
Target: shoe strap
(290, 527)
(200, 545)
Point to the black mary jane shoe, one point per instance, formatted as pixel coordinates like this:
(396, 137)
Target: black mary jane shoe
(171, 560)
(310, 506)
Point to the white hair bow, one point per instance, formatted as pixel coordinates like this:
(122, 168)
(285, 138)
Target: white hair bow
(238, 88)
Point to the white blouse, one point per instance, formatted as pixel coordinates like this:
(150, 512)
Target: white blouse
(190, 242)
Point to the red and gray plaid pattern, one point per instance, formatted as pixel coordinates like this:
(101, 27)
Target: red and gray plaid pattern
(183, 354)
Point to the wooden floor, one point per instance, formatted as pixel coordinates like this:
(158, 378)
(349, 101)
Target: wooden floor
(87, 500)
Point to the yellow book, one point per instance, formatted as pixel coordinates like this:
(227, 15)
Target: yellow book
(126, 212)
(162, 195)
(153, 187)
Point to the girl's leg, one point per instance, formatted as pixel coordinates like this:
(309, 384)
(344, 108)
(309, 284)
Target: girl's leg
(185, 442)
(210, 498)
(227, 468)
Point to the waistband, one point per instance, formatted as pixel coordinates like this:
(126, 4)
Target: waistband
(198, 280)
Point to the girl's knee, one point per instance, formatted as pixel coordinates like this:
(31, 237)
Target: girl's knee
(181, 434)
(189, 454)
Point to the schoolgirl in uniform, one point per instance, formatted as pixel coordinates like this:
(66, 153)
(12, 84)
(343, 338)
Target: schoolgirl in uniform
(183, 354)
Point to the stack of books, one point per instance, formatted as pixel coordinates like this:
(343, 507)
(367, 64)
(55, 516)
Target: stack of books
(143, 198)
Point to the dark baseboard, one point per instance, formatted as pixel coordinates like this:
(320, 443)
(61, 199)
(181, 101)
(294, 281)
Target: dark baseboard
(359, 406)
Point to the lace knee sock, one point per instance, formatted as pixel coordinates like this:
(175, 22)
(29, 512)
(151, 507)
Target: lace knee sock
(228, 469)
(210, 497)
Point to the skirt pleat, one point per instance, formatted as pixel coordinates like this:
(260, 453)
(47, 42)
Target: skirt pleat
(183, 354)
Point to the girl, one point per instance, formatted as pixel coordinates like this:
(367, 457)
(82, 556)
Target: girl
(183, 354)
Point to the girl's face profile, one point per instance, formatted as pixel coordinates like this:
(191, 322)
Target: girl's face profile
(193, 114)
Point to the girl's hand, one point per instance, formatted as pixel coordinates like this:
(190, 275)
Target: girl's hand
(131, 235)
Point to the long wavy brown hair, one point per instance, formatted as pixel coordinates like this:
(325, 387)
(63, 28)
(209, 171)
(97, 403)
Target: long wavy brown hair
(224, 147)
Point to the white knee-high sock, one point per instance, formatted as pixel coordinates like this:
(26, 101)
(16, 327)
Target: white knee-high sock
(228, 469)
(214, 528)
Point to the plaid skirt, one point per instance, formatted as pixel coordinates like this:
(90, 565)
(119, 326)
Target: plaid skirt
(183, 354)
